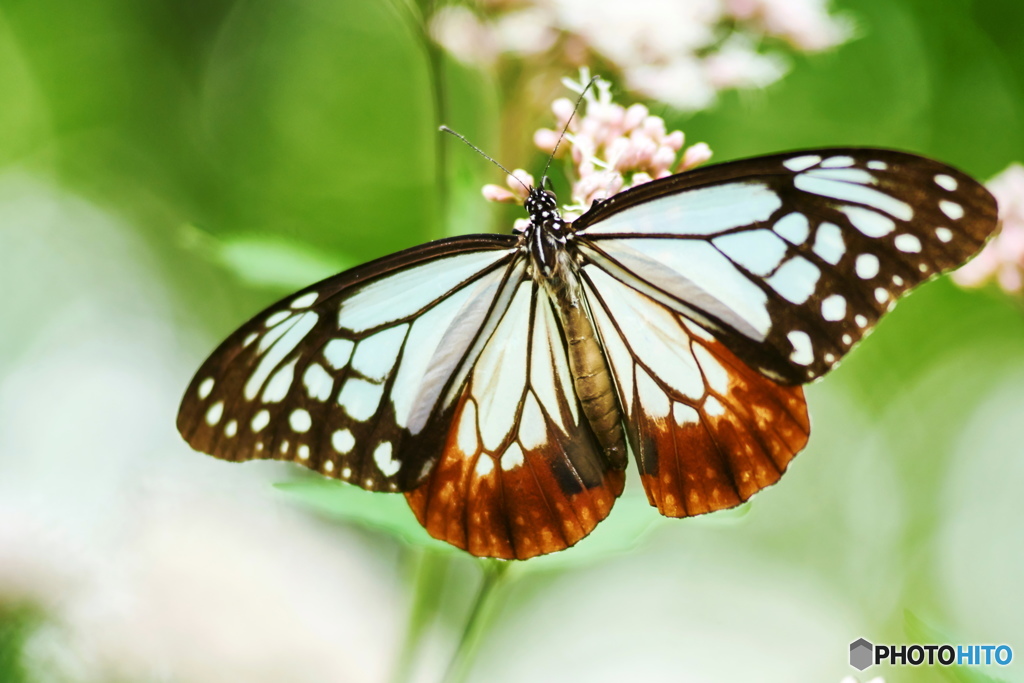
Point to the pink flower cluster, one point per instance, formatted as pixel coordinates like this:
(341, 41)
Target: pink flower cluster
(612, 148)
(1002, 259)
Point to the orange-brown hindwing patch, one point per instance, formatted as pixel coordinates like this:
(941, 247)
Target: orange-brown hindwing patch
(521, 473)
(707, 431)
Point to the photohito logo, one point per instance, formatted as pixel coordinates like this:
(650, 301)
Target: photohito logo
(864, 654)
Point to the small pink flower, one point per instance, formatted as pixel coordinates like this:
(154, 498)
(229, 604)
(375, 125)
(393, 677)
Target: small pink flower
(694, 157)
(1002, 259)
(519, 184)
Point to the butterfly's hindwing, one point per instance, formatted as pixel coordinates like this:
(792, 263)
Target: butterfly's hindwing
(345, 376)
(706, 430)
(791, 259)
(520, 472)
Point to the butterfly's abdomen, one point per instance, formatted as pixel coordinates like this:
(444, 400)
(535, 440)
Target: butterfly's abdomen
(587, 362)
(593, 382)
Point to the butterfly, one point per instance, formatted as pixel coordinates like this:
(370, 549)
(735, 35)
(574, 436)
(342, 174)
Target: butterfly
(501, 381)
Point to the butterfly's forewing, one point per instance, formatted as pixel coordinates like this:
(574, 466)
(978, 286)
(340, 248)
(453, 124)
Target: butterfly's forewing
(346, 377)
(521, 473)
(790, 259)
(706, 430)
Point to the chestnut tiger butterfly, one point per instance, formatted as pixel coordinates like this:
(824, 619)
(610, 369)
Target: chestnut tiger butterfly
(500, 381)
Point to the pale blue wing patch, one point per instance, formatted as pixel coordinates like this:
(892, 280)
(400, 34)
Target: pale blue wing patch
(701, 211)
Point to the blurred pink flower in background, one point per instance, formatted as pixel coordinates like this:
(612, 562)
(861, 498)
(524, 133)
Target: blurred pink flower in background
(681, 53)
(1002, 259)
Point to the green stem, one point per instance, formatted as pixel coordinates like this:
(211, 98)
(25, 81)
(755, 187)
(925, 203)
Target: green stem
(439, 96)
(462, 659)
(431, 570)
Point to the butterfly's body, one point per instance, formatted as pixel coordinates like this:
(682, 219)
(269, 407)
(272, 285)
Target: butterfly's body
(555, 267)
(501, 380)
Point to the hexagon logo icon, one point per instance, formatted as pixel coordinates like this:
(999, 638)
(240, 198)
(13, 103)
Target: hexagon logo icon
(861, 652)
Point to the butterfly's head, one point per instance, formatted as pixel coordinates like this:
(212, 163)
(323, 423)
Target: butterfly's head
(543, 209)
(539, 201)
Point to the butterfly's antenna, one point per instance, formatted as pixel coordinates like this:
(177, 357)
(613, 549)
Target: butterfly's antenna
(565, 130)
(446, 129)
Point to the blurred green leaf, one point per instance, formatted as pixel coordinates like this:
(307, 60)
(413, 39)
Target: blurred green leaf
(920, 632)
(267, 261)
(17, 623)
(384, 512)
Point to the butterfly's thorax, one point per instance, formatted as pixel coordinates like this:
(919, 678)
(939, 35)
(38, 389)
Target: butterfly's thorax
(554, 266)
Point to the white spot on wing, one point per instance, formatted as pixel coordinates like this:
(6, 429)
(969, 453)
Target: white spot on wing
(951, 209)
(716, 375)
(833, 308)
(881, 295)
(303, 452)
(829, 244)
(300, 420)
(907, 243)
(484, 465)
(279, 384)
(532, 432)
(249, 339)
(837, 162)
(870, 223)
(803, 351)
(759, 251)
(685, 414)
(797, 164)
(231, 428)
(466, 438)
(385, 463)
(338, 352)
(878, 165)
(260, 420)
(946, 182)
(360, 398)
(850, 192)
(860, 320)
(652, 398)
(793, 227)
(795, 280)
(303, 301)
(278, 350)
(342, 441)
(277, 318)
(846, 175)
(328, 466)
(318, 382)
(944, 234)
(375, 356)
(512, 458)
(867, 266)
(713, 407)
(205, 387)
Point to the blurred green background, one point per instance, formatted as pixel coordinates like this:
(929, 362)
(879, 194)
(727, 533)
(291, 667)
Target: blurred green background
(169, 168)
